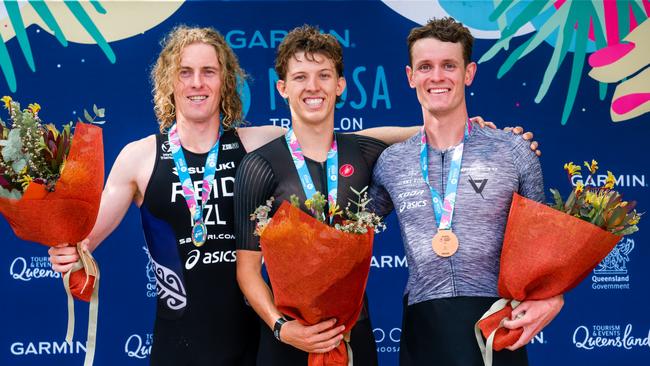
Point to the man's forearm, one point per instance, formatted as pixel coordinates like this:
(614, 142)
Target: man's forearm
(390, 134)
(253, 286)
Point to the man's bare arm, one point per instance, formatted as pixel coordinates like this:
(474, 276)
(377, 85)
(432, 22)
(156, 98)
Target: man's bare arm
(255, 137)
(129, 175)
(393, 134)
(390, 134)
(316, 338)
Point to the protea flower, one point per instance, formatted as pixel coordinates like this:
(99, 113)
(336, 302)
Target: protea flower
(56, 146)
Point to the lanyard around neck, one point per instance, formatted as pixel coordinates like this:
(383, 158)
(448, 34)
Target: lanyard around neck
(184, 176)
(332, 169)
(444, 210)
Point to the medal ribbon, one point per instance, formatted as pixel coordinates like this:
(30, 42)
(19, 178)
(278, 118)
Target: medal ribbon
(332, 169)
(444, 210)
(186, 180)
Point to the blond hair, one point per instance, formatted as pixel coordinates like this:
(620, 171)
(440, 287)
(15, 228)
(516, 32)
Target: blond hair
(167, 67)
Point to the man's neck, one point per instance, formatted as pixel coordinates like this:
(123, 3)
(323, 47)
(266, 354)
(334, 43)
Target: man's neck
(198, 137)
(315, 139)
(445, 131)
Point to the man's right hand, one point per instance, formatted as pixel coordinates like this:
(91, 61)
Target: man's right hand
(63, 256)
(318, 338)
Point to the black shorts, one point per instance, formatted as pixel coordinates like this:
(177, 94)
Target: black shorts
(275, 353)
(441, 333)
(173, 347)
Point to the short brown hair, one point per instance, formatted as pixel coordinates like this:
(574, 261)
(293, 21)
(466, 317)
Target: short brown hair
(168, 65)
(444, 29)
(310, 40)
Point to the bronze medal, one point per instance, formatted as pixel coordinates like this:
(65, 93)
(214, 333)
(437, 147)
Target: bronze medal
(445, 243)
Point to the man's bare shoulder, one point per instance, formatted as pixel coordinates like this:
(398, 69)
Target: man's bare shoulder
(145, 146)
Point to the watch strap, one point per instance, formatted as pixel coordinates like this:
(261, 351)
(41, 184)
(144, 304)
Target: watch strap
(277, 326)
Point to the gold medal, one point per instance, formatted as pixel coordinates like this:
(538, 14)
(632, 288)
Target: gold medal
(199, 234)
(445, 243)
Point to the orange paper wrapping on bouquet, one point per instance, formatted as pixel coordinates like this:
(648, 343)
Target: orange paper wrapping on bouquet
(68, 214)
(317, 273)
(545, 253)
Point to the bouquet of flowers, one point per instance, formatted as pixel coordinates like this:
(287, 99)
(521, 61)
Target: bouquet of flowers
(49, 173)
(548, 250)
(334, 262)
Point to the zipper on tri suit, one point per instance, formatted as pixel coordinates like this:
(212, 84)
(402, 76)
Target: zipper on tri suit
(322, 166)
(451, 259)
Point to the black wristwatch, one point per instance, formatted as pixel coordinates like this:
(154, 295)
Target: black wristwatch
(277, 326)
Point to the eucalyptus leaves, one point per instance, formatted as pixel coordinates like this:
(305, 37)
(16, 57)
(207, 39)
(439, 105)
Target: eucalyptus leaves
(354, 219)
(31, 151)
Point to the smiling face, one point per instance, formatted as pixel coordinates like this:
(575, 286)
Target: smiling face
(197, 89)
(439, 76)
(311, 85)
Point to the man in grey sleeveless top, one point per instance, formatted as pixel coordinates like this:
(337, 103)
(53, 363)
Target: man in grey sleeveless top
(449, 289)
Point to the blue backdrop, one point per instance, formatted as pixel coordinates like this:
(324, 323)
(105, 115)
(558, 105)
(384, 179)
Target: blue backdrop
(604, 320)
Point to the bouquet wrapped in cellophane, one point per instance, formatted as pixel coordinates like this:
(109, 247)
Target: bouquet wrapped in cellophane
(548, 250)
(50, 189)
(317, 271)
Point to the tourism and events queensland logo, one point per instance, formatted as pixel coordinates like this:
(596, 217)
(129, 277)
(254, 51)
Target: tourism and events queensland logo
(32, 268)
(138, 346)
(612, 272)
(611, 336)
(151, 275)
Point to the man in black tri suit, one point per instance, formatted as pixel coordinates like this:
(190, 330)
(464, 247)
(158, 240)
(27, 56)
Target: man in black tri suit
(310, 70)
(201, 318)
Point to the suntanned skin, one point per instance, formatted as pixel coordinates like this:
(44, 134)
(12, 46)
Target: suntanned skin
(198, 126)
(439, 76)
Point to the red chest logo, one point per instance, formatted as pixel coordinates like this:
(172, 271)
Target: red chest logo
(346, 170)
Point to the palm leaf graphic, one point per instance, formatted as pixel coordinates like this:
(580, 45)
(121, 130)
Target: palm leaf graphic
(40, 7)
(570, 23)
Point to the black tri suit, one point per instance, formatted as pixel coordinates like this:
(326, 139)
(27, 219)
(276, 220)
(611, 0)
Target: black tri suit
(270, 171)
(202, 317)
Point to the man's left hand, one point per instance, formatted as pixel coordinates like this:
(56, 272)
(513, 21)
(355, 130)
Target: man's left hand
(526, 136)
(533, 316)
(483, 123)
(516, 130)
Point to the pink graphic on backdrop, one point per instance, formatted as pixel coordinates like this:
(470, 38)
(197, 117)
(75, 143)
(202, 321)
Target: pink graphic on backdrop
(610, 54)
(629, 102)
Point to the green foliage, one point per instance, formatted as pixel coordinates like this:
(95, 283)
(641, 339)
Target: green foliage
(357, 221)
(31, 151)
(316, 205)
(360, 219)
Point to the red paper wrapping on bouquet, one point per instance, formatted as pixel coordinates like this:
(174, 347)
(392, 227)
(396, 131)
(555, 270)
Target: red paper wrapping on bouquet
(68, 214)
(317, 273)
(545, 253)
